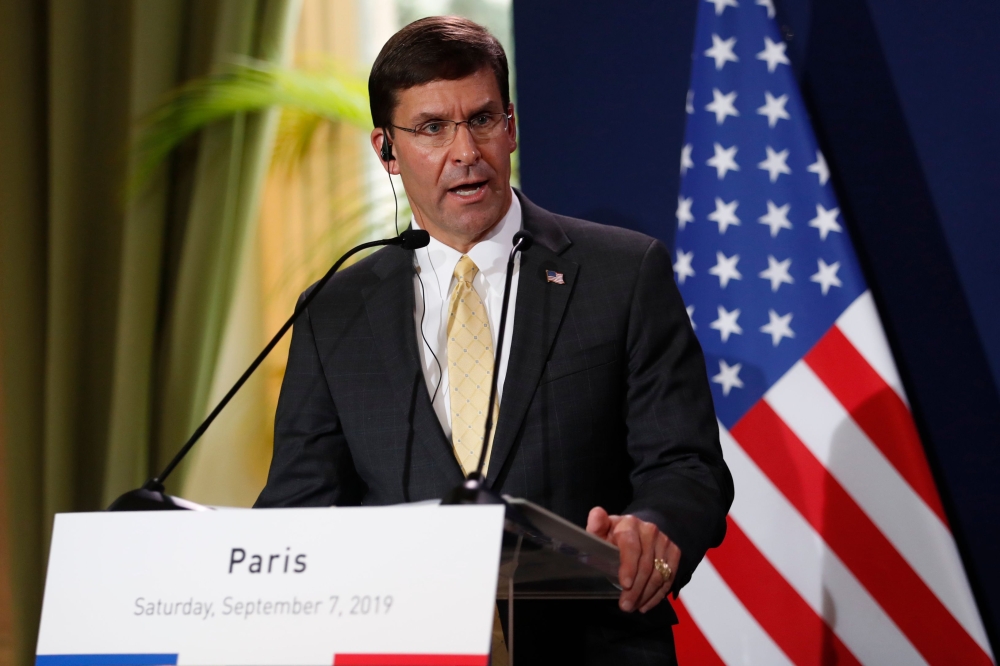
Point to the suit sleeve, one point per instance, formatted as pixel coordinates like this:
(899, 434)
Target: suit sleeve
(680, 481)
(312, 464)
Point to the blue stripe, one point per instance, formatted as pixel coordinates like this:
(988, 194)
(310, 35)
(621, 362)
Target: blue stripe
(106, 660)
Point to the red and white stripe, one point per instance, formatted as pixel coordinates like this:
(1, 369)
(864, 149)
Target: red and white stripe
(838, 550)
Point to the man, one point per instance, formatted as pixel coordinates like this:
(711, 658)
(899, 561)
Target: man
(605, 414)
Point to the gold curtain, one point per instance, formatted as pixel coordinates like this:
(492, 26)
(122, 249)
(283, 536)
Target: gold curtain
(315, 205)
(111, 314)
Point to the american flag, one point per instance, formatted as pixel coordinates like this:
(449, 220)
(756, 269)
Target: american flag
(838, 549)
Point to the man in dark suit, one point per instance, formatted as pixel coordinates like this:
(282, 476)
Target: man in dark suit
(605, 415)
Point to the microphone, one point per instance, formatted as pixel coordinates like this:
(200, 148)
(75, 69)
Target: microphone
(473, 490)
(151, 495)
(410, 239)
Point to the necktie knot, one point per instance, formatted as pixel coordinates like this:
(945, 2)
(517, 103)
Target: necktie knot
(466, 269)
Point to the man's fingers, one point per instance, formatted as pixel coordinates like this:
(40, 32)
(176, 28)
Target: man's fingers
(655, 583)
(598, 522)
(647, 533)
(673, 557)
(630, 546)
(660, 595)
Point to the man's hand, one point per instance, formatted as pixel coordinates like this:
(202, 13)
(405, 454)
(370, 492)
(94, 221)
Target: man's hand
(640, 543)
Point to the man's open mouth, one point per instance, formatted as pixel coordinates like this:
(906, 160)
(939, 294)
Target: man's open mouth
(468, 189)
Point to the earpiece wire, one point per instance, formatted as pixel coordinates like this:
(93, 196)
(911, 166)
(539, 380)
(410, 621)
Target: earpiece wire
(423, 293)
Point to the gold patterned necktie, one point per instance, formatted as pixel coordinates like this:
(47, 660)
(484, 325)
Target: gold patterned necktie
(470, 367)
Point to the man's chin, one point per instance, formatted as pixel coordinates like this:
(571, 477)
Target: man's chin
(472, 224)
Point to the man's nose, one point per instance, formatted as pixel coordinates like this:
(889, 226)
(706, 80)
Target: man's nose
(464, 149)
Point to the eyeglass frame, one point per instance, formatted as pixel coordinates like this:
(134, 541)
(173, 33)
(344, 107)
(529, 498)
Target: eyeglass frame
(506, 116)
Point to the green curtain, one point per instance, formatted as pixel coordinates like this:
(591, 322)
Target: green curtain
(111, 311)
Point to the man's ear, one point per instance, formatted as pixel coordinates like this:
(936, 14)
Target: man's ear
(383, 147)
(512, 128)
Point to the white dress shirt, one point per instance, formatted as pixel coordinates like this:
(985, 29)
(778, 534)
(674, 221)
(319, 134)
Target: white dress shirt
(436, 267)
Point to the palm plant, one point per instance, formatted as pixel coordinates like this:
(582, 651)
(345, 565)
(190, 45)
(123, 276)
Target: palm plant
(309, 99)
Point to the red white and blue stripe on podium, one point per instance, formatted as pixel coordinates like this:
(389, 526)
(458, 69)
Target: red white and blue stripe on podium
(838, 549)
(338, 660)
(146, 659)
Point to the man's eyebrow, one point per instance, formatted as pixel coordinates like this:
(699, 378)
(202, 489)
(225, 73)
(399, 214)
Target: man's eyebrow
(427, 115)
(423, 117)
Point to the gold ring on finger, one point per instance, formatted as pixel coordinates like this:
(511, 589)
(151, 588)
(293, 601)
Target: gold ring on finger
(664, 569)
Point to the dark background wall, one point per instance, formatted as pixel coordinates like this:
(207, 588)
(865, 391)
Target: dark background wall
(905, 99)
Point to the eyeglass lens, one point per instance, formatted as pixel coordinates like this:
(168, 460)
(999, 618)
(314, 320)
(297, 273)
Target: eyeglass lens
(442, 132)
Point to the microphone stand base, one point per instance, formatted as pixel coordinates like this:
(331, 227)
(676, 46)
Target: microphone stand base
(143, 499)
(472, 491)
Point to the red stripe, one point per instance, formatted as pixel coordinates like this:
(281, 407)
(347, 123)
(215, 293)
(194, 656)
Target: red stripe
(411, 660)
(832, 512)
(877, 409)
(800, 633)
(691, 645)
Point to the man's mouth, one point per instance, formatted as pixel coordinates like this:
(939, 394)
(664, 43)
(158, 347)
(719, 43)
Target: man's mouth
(468, 189)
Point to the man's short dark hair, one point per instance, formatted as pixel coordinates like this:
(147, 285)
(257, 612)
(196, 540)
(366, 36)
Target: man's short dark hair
(433, 49)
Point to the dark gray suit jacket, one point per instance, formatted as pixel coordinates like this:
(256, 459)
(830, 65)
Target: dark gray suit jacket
(605, 403)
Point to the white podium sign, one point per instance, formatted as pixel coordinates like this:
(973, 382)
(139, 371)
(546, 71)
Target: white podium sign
(395, 586)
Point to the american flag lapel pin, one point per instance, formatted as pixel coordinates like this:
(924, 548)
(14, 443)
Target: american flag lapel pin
(553, 277)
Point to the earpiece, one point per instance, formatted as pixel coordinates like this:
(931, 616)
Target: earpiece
(386, 153)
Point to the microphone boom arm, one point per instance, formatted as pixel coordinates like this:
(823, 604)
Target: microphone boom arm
(521, 243)
(144, 497)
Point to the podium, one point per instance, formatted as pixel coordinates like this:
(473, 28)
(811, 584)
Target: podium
(407, 585)
(546, 557)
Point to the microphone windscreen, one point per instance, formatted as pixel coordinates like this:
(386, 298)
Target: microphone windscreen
(414, 239)
(525, 238)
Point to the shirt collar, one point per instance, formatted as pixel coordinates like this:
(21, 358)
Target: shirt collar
(490, 254)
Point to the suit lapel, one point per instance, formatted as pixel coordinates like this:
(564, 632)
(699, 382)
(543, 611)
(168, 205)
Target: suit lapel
(538, 315)
(389, 304)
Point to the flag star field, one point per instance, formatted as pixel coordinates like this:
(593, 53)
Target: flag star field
(753, 199)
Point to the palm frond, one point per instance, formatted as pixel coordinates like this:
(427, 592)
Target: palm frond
(247, 86)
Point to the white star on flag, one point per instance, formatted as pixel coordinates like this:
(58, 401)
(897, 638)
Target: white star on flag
(725, 214)
(773, 54)
(726, 323)
(774, 109)
(690, 311)
(770, 6)
(686, 162)
(725, 270)
(777, 272)
(689, 104)
(683, 265)
(720, 5)
(722, 51)
(724, 160)
(820, 168)
(775, 164)
(728, 377)
(684, 211)
(722, 105)
(778, 327)
(776, 218)
(826, 276)
(825, 221)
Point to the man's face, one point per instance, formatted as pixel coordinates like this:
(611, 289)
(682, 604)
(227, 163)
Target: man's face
(460, 191)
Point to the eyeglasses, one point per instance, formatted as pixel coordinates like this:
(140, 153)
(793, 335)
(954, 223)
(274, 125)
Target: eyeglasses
(440, 133)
